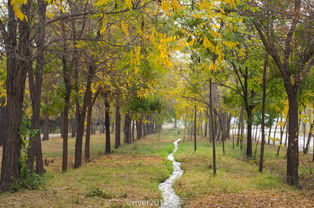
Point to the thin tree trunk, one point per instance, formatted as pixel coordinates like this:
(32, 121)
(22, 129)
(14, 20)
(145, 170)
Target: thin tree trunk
(282, 129)
(133, 130)
(261, 161)
(212, 126)
(81, 117)
(275, 131)
(195, 127)
(307, 147)
(89, 125)
(269, 133)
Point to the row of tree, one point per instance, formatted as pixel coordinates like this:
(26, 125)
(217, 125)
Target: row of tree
(251, 60)
(65, 57)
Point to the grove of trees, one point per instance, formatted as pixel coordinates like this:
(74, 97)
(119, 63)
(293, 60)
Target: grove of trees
(223, 69)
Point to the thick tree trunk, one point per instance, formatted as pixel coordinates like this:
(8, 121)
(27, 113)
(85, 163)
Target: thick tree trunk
(118, 128)
(107, 126)
(293, 145)
(249, 132)
(127, 128)
(139, 129)
(15, 85)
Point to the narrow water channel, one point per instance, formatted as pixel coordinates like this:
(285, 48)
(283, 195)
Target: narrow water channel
(170, 199)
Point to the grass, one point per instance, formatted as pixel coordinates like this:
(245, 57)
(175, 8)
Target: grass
(235, 174)
(133, 173)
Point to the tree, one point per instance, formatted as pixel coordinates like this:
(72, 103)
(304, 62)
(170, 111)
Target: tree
(18, 63)
(294, 63)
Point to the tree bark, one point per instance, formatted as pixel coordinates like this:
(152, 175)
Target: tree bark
(118, 128)
(46, 128)
(261, 161)
(107, 126)
(282, 129)
(127, 128)
(81, 117)
(249, 132)
(139, 128)
(15, 85)
(293, 145)
(35, 86)
(307, 147)
(195, 111)
(66, 75)
(212, 126)
(89, 126)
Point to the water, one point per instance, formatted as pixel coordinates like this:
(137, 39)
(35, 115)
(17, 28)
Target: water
(170, 199)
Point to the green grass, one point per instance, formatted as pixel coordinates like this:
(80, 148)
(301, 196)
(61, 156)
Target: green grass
(133, 172)
(235, 174)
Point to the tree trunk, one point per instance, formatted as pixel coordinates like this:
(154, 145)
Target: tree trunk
(73, 127)
(205, 129)
(15, 85)
(107, 126)
(261, 161)
(269, 133)
(88, 132)
(139, 129)
(282, 129)
(195, 111)
(212, 126)
(307, 147)
(81, 117)
(249, 132)
(133, 130)
(127, 128)
(35, 86)
(293, 145)
(46, 128)
(66, 73)
(118, 128)
(275, 131)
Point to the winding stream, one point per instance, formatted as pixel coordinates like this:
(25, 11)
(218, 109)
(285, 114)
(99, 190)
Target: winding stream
(170, 199)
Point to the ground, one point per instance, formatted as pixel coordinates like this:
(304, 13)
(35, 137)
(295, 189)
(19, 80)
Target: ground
(130, 176)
